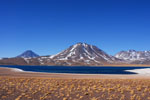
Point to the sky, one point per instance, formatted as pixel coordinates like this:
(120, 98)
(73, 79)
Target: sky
(49, 26)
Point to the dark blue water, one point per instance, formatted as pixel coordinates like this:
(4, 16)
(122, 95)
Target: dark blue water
(76, 70)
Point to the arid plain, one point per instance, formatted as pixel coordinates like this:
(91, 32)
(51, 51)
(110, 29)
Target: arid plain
(16, 85)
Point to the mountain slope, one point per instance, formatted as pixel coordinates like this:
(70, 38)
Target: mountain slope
(28, 54)
(134, 57)
(83, 54)
(19, 61)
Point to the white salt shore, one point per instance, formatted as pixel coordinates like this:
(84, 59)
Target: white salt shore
(145, 71)
(13, 69)
(17, 70)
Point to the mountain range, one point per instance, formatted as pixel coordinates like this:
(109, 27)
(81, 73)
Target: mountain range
(81, 54)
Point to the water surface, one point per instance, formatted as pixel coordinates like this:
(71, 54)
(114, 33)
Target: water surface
(76, 69)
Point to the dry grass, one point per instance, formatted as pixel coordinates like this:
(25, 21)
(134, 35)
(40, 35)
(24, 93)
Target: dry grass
(12, 88)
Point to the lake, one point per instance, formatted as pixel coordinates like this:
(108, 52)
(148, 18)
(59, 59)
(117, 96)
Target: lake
(76, 69)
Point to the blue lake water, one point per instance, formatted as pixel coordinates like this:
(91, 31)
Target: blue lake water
(76, 69)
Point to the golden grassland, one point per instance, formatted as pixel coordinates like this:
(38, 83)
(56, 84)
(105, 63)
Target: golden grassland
(25, 88)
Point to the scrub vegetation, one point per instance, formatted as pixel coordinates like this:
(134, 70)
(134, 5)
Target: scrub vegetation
(21, 88)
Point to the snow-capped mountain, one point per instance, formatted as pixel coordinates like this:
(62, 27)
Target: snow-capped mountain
(28, 54)
(83, 53)
(133, 55)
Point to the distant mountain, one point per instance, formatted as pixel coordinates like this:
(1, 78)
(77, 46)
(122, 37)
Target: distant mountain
(133, 56)
(82, 54)
(28, 54)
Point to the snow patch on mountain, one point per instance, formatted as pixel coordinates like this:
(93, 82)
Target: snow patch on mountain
(83, 52)
(27, 60)
(132, 55)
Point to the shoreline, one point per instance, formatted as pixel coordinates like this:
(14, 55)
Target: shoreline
(14, 72)
(132, 65)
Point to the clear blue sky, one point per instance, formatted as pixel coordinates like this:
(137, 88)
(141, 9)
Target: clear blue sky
(50, 26)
